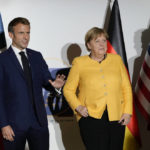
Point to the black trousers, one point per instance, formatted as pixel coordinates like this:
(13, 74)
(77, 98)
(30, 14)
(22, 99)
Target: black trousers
(101, 134)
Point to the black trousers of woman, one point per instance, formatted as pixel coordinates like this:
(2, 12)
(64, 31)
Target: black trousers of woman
(101, 134)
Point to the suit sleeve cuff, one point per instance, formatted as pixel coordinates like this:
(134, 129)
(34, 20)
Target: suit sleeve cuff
(58, 91)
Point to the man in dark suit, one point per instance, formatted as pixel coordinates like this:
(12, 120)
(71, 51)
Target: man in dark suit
(23, 73)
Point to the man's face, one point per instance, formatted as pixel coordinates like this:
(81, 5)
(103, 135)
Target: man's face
(21, 36)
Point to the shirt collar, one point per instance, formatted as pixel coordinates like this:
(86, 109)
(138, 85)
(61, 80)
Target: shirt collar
(17, 51)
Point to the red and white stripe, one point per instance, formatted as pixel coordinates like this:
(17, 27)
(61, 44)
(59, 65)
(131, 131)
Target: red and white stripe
(142, 88)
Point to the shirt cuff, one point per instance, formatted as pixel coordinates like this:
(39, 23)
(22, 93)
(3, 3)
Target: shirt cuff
(58, 90)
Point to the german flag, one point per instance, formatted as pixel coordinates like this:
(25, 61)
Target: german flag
(116, 45)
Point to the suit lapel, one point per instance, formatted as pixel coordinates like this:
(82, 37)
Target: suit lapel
(31, 61)
(15, 61)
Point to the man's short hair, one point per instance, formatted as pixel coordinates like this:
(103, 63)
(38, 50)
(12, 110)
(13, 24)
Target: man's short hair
(16, 21)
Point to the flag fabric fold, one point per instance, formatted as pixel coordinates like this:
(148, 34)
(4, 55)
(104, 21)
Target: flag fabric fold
(2, 36)
(142, 88)
(2, 47)
(116, 45)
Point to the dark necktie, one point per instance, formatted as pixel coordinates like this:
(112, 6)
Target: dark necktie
(28, 75)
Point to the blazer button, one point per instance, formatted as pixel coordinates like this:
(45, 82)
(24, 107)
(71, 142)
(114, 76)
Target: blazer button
(105, 94)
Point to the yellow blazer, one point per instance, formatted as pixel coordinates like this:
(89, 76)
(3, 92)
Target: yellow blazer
(100, 85)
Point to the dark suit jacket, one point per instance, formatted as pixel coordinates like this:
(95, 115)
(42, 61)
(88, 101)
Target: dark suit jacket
(15, 105)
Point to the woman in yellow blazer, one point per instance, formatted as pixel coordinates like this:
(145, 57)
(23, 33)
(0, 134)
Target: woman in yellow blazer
(103, 105)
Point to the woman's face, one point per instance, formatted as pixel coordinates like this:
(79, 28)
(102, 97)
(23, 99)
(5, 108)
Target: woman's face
(98, 46)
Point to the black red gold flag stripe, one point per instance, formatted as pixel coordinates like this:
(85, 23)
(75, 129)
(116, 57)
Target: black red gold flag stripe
(116, 45)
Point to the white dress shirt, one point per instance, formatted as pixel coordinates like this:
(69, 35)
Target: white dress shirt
(17, 51)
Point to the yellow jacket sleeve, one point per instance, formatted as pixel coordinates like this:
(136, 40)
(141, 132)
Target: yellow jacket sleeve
(71, 85)
(126, 89)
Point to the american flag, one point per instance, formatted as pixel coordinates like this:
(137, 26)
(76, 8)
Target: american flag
(142, 88)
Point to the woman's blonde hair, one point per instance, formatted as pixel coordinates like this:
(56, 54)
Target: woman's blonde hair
(93, 33)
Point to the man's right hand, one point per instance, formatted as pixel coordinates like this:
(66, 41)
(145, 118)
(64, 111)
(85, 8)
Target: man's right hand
(8, 133)
(82, 110)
